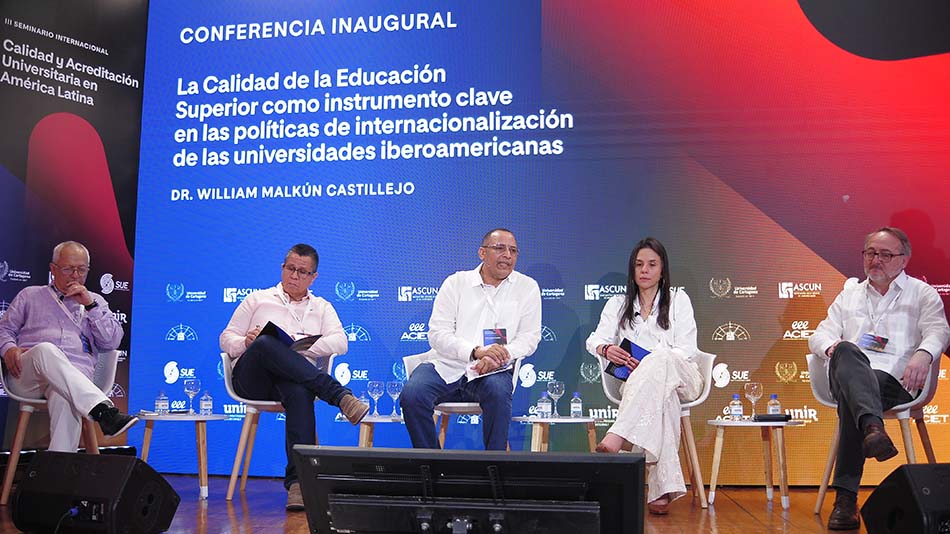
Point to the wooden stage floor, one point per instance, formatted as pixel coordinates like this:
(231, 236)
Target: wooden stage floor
(261, 509)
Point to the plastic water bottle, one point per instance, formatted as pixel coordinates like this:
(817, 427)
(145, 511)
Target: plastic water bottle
(775, 407)
(205, 405)
(161, 403)
(577, 405)
(544, 405)
(735, 408)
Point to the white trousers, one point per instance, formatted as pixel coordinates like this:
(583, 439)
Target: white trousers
(649, 416)
(46, 372)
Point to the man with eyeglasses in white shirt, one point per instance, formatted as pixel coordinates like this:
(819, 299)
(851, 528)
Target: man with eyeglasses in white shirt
(482, 320)
(266, 368)
(881, 336)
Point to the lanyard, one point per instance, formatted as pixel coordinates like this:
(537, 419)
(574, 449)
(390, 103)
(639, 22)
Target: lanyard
(293, 313)
(76, 319)
(891, 304)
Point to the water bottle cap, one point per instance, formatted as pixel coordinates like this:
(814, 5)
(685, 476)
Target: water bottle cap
(544, 394)
(735, 396)
(577, 394)
(774, 395)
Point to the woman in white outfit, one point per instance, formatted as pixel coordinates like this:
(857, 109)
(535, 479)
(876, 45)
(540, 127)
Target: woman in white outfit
(659, 319)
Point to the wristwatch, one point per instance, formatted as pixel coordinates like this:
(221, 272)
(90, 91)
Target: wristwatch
(91, 306)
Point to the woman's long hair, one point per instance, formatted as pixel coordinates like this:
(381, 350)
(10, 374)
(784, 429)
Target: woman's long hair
(633, 290)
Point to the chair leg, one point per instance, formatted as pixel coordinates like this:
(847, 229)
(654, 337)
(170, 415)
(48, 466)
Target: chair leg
(908, 441)
(829, 465)
(696, 475)
(925, 440)
(239, 454)
(90, 438)
(443, 428)
(22, 422)
(250, 450)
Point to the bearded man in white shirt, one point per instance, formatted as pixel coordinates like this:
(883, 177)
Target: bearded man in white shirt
(265, 368)
(880, 336)
(481, 321)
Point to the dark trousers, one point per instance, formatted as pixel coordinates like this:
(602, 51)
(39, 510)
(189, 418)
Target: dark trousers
(859, 390)
(426, 388)
(268, 370)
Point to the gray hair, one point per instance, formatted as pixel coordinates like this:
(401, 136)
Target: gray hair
(58, 249)
(894, 231)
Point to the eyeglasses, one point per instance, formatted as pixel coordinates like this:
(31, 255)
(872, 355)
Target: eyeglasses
(69, 271)
(501, 248)
(299, 272)
(884, 255)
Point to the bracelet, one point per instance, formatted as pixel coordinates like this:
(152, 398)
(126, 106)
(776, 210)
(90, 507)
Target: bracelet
(606, 346)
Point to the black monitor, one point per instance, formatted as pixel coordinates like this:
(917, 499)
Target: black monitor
(357, 490)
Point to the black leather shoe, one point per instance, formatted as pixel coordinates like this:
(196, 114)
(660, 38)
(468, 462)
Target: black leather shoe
(877, 444)
(113, 422)
(845, 515)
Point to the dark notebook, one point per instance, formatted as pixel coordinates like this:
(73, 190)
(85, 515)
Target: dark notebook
(622, 372)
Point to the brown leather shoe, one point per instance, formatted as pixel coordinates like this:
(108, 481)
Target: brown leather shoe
(354, 409)
(877, 444)
(845, 514)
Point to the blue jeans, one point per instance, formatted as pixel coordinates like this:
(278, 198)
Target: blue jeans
(268, 370)
(426, 388)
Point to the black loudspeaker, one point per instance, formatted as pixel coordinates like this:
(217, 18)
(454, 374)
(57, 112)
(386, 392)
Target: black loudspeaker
(914, 498)
(92, 493)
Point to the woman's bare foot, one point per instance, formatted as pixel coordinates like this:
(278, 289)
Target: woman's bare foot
(611, 443)
(660, 506)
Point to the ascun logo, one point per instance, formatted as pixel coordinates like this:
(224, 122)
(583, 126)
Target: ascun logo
(237, 294)
(416, 332)
(417, 293)
(181, 332)
(789, 290)
(109, 284)
(603, 292)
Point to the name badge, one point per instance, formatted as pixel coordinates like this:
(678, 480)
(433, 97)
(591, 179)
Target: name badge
(872, 342)
(491, 336)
